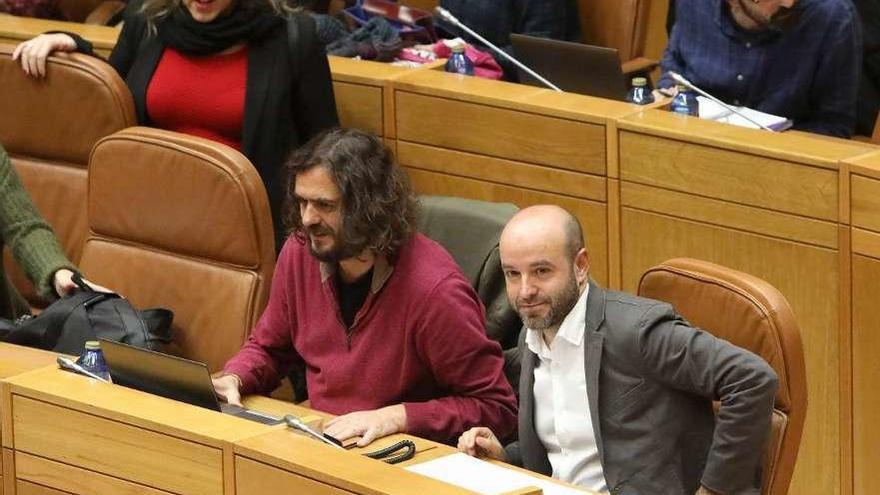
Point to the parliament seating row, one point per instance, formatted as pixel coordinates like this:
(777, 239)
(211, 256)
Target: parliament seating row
(649, 186)
(63, 433)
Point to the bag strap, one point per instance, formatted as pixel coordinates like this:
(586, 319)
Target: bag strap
(78, 280)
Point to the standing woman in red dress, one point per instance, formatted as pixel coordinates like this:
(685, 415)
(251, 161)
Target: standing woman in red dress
(247, 73)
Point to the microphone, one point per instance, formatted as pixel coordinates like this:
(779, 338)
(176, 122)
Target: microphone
(448, 17)
(67, 364)
(298, 424)
(681, 80)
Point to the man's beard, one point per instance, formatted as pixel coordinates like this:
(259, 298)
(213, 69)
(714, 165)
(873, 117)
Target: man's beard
(784, 19)
(340, 248)
(560, 305)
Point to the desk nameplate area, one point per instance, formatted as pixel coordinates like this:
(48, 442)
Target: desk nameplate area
(115, 440)
(282, 458)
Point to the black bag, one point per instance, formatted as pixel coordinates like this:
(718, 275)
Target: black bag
(84, 315)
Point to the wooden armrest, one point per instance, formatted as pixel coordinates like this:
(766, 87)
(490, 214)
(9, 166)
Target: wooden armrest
(638, 65)
(102, 14)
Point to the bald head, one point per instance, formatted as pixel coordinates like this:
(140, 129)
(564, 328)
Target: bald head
(548, 224)
(545, 265)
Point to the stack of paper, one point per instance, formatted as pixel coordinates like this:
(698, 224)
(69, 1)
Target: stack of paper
(482, 477)
(712, 111)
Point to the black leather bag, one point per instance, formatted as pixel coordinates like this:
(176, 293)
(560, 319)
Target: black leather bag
(85, 315)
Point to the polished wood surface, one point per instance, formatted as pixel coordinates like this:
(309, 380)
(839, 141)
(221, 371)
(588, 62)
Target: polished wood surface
(866, 373)
(75, 435)
(765, 204)
(14, 30)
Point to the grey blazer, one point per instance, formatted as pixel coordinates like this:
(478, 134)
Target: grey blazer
(651, 379)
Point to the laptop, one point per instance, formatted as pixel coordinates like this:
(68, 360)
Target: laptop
(574, 67)
(171, 377)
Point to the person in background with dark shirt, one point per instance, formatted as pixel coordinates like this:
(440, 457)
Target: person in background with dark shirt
(869, 89)
(388, 329)
(495, 20)
(799, 59)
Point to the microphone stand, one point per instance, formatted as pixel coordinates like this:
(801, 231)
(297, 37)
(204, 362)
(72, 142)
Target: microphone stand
(681, 80)
(448, 17)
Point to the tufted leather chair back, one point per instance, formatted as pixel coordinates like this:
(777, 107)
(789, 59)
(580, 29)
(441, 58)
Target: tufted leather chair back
(181, 222)
(49, 126)
(751, 314)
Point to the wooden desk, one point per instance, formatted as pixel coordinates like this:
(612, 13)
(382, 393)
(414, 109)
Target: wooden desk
(15, 360)
(14, 30)
(766, 204)
(68, 434)
(496, 141)
(864, 184)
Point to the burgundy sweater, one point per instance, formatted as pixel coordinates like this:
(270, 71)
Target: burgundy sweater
(418, 339)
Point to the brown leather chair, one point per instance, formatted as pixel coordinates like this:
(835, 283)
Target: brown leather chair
(48, 127)
(620, 24)
(752, 314)
(183, 223)
(98, 12)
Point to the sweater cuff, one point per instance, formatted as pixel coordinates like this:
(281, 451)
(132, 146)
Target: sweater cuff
(248, 380)
(82, 45)
(421, 419)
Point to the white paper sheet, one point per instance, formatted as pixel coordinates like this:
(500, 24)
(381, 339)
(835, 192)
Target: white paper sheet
(482, 477)
(712, 111)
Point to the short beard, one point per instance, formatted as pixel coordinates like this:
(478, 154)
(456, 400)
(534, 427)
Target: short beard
(560, 305)
(342, 249)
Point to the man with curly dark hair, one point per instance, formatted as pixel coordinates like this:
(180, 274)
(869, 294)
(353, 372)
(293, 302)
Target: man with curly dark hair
(389, 331)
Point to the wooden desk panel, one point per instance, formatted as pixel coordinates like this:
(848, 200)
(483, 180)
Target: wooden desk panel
(41, 472)
(359, 106)
(865, 202)
(591, 214)
(256, 478)
(798, 147)
(28, 488)
(499, 171)
(866, 372)
(14, 30)
(729, 214)
(286, 456)
(808, 276)
(116, 449)
(501, 133)
(729, 175)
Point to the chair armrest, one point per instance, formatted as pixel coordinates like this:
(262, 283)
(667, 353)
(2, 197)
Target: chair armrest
(105, 12)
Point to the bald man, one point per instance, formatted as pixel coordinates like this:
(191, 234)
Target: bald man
(616, 391)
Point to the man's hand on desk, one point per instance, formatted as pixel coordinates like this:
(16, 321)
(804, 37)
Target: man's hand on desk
(228, 388)
(705, 491)
(481, 442)
(369, 425)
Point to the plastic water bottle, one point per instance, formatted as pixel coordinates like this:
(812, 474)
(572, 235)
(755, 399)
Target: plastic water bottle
(92, 359)
(685, 102)
(458, 62)
(639, 93)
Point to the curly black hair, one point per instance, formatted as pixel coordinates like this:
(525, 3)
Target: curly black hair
(379, 208)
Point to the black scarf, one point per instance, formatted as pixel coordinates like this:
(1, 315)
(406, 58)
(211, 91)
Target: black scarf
(187, 35)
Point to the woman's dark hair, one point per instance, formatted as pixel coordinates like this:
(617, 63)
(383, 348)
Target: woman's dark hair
(378, 206)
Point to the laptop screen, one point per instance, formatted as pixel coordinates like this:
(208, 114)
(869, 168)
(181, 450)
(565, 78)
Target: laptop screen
(160, 374)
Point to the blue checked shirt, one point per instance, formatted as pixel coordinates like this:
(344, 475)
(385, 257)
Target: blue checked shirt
(809, 74)
(495, 20)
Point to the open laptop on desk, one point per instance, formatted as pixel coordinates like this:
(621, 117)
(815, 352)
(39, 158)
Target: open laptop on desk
(574, 67)
(171, 377)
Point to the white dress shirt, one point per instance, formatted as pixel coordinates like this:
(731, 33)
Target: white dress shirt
(562, 412)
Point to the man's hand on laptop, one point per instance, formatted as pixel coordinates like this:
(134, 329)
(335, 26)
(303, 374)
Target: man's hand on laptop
(369, 425)
(228, 387)
(481, 442)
